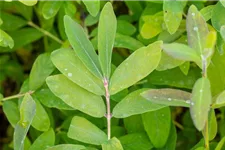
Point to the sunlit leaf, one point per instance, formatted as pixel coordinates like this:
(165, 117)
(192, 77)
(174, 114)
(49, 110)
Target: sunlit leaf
(75, 96)
(137, 66)
(201, 100)
(27, 112)
(112, 144)
(6, 40)
(185, 67)
(220, 100)
(29, 2)
(170, 97)
(66, 147)
(93, 6)
(106, 36)
(157, 125)
(50, 8)
(134, 104)
(83, 130)
(222, 32)
(82, 46)
(68, 63)
(218, 19)
(207, 12)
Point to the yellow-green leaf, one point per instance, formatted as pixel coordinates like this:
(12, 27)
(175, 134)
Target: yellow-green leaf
(92, 6)
(29, 2)
(112, 144)
(6, 40)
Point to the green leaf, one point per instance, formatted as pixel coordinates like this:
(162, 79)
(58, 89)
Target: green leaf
(11, 22)
(185, 67)
(169, 97)
(50, 8)
(207, 12)
(68, 63)
(112, 144)
(201, 99)
(82, 130)
(135, 7)
(220, 100)
(137, 66)
(44, 141)
(11, 111)
(152, 25)
(220, 144)
(82, 46)
(134, 104)
(222, 32)
(125, 28)
(47, 98)
(133, 124)
(157, 125)
(106, 36)
(218, 19)
(6, 40)
(181, 52)
(27, 112)
(197, 30)
(66, 147)
(29, 3)
(75, 96)
(168, 62)
(212, 122)
(172, 139)
(41, 69)
(41, 119)
(90, 20)
(123, 41)
(173, 11)
(93, 6)
(23, 37)
(136, 141)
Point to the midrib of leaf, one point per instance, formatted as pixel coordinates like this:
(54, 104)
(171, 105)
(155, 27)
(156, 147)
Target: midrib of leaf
(88, 55)
(197, 32)
(88, 77)
(107, 52)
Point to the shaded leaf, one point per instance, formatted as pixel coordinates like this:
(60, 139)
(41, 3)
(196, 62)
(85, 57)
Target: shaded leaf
(212, 122)
(11, 111)
(133, 124)
(93, 6)
(220, 144)
(66, 147)
(82, 130)
(68, 63)
(125, 28)
(27, 112)
(41, 69)
(173, 11)
(201, 99)
(50, 8)
(112, 144)
(6, 40)
(220, 100)
(82, 46)
(132, 69)
(75, 96)
(44, 141)
(157, 125)
(134, 104)
(185, 67)
(106, 36)
(170, 97)
(136, 141)
(207, 12)
(218, 19)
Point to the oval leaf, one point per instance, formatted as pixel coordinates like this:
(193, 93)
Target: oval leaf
(106, 36)
(29, 3)
(27, 112)
(75, 96)
(72, 67)
(11, 111)
(134, 104)
(6, 40)
(169, 97)
(218, 18)
(201, 99)
(50, 8)
(137, 66)
(157, 125)
(41, 69)
(82, 46)
(93, 6)
(66, 147)
(112, 144)
(82, 130)
(45, 140)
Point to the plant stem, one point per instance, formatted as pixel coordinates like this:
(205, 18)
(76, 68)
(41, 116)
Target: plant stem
(108, 114)
(45, 32)
(16, 96)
